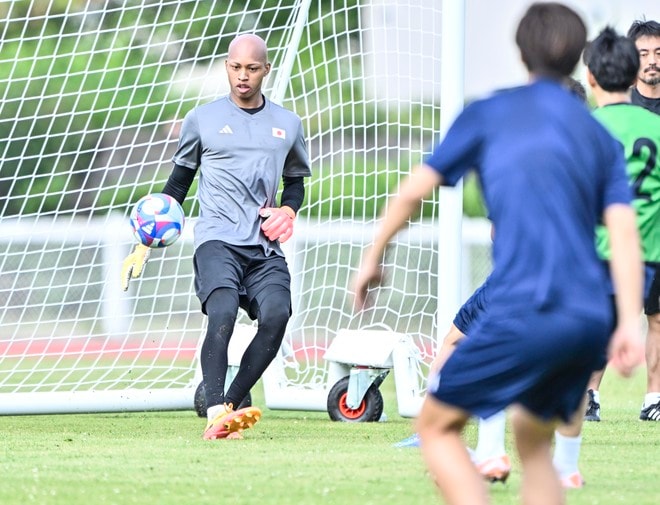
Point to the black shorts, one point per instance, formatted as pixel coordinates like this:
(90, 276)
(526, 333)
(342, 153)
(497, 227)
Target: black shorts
(652, 302)
(244, 268)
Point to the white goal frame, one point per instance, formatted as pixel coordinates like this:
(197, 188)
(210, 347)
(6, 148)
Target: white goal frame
(166, 375)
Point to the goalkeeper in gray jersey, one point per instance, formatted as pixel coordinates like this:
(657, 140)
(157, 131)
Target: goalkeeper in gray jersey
(243, 146)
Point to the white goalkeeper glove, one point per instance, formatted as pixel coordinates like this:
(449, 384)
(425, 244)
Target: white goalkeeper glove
(134, 264)
(279, 223)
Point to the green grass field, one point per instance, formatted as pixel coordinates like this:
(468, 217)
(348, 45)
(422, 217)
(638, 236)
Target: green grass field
(288, 458)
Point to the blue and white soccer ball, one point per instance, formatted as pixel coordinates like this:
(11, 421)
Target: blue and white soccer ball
(157, 220)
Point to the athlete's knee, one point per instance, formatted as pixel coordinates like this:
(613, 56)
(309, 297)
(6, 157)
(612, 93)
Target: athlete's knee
(222, 310)
(275, 309)
(653, 324)
(437, 418)
(531, 432)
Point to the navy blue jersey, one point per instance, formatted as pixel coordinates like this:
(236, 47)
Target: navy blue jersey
(548, 170)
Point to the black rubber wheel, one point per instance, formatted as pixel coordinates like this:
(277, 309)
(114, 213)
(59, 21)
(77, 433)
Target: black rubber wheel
(200, 400)
(369, 410)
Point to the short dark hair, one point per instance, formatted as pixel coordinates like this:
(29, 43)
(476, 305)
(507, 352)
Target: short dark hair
(551, 38)
(613, 60)
(576, 87)
(643, 28)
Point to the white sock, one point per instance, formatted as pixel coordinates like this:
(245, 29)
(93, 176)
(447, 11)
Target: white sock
(567, 453)
(596, 395)
(491, 437)
(211, 412)
(650, 399)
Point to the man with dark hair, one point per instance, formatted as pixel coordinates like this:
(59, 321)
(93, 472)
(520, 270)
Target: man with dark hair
(243, 145)
(639, 132)
(577, 88)
(550, 172)
(646, 35)
(646, 92)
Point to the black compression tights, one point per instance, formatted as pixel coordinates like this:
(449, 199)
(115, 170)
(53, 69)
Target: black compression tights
(222, 308)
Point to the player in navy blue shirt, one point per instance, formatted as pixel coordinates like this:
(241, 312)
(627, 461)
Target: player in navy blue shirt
(549, 172)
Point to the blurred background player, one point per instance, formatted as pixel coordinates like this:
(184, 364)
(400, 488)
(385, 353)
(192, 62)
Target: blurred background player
(243, 146)
(639, 132)
(549, 172)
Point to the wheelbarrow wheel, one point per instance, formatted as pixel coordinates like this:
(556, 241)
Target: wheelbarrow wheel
(369, 410)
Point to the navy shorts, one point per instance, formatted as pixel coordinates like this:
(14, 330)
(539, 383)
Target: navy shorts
(246, 269)
(539, 359)
(652, 301)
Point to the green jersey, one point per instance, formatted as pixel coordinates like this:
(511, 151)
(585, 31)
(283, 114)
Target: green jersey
(639, 131)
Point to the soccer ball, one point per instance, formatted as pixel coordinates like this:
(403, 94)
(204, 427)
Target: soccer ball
(157, 220)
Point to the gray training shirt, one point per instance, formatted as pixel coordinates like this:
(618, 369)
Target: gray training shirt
(242, 158)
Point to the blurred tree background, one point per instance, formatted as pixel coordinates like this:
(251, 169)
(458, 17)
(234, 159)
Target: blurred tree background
(74, 73)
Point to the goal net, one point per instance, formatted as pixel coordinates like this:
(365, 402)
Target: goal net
(92, 98)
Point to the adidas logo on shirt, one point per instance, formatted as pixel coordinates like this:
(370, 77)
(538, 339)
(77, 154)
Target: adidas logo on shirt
(225, 129)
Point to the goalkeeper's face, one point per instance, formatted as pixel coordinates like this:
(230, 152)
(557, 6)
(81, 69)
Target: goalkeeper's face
(247, 66)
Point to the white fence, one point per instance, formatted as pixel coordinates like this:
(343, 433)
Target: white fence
(116, 242)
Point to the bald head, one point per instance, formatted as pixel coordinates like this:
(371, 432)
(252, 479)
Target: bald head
(250, 46)
(247, 66)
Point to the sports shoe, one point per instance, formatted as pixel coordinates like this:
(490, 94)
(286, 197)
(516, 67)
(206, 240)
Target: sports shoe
(572, 481)
(231, 421)
(593, 408)
(495, 469)
(411, 441)
(650, 413)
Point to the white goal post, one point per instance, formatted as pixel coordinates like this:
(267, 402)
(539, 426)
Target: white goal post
(92, 94)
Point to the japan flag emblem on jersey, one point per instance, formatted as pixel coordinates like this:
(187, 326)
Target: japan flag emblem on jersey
(279, 133)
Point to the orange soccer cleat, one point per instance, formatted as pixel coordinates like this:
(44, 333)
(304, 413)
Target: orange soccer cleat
(495, 469)
(230, 422)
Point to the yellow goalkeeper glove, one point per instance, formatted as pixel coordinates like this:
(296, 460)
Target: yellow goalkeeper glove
(134, 264)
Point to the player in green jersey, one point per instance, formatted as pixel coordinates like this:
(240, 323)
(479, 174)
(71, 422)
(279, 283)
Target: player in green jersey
(638, 130)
